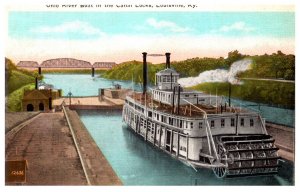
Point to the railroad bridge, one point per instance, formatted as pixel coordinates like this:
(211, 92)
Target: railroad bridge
(65, 63)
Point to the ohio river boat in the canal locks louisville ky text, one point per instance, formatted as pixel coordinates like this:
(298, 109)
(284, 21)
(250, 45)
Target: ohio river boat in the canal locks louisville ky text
(204, 131)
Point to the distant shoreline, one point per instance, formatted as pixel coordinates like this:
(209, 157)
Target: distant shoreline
(67, 70)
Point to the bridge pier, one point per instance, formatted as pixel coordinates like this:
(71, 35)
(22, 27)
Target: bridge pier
(93, 71)
(40, 70)
(36, 83)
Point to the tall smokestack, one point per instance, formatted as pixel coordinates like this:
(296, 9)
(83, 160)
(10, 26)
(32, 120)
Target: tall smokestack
(168, 60)
(144, 72)
(229, 94)
(93, 71)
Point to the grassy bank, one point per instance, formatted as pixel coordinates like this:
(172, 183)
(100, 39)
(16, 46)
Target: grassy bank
(268, 92)
(132, 70)
(16, 81)
(14, 102)
(16, 78)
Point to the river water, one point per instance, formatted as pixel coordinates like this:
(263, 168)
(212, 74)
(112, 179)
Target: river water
(137, 162)
(81, 84)
(85, 85)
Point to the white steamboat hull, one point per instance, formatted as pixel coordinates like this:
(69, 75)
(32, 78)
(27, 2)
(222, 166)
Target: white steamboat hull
(174, 143)
(236, 154)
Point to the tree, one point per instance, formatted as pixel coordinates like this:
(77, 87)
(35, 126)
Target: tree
(289, 74)
(233, 56)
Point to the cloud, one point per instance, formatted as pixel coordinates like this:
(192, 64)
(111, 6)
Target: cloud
(78, 27)
(237, 26)
(168, 25)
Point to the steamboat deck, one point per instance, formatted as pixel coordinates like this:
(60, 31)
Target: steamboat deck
(185, 110)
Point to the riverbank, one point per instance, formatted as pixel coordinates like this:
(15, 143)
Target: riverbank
(284, 140)
(272, 93)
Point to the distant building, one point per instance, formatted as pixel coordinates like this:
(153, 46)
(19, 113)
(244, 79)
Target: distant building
(39, 100)
(105, 65)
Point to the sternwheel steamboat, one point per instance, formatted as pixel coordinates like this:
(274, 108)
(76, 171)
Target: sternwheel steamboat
(202, 130)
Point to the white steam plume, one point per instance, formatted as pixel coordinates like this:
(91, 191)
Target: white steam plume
(217, 75)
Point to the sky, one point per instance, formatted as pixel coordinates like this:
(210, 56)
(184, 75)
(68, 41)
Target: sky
(123, 36)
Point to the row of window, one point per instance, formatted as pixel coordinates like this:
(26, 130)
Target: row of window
(137, 107)
(232, 123)
(167, 97)
(166, 78)
(190, 95)
(180, 123)
(168, 120)
(172, 121)
(162, 96)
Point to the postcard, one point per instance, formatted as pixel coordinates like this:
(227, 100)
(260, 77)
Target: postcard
(154, 93)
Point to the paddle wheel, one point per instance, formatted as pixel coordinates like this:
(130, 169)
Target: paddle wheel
(246, 155)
